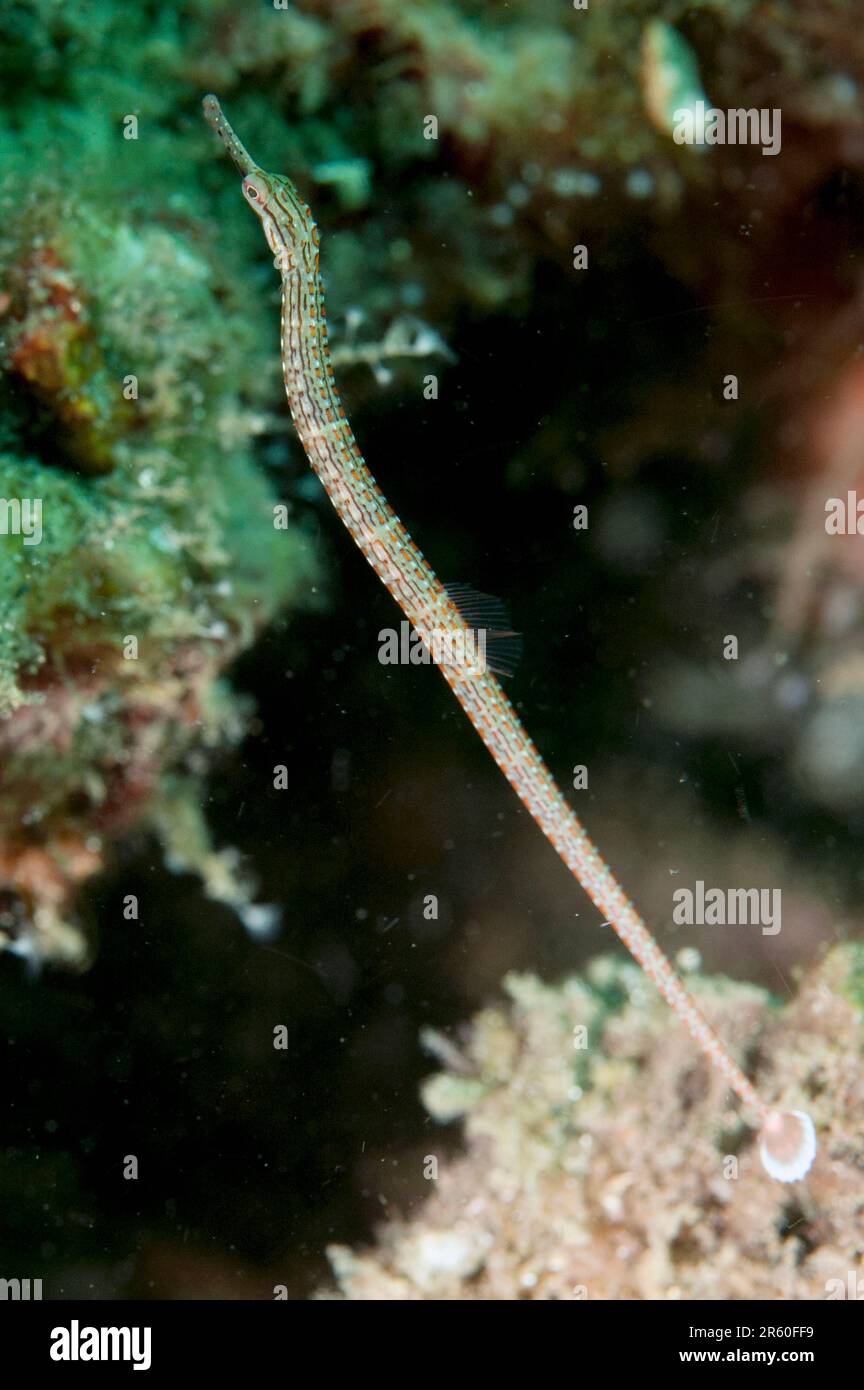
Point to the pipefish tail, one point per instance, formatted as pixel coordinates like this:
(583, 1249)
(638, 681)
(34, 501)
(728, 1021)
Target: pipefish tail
(787, 1138)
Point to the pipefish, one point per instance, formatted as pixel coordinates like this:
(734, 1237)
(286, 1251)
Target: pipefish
(787, 1138)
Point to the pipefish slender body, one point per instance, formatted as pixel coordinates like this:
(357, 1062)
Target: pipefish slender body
(787, 1138)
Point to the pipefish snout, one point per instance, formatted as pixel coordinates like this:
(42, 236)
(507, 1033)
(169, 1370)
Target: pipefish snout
(787, 1138)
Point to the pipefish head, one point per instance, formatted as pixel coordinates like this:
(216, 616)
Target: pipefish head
(287, 221)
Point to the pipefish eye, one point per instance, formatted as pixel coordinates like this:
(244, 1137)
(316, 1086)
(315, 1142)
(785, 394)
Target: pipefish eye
(251, 191)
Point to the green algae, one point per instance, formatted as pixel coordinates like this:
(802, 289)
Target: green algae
(138, 366)
(182, 506)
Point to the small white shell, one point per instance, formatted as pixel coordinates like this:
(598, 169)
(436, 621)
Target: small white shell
(787, 1145)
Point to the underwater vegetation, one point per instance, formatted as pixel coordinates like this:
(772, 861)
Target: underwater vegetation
(154, 637)
(128, 419)
(591, 1169)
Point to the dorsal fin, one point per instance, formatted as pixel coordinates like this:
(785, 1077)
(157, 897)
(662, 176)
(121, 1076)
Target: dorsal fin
(487, 613)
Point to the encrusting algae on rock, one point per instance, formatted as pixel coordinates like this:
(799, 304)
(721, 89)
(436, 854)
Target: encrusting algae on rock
(138, 549)
(595, 1164)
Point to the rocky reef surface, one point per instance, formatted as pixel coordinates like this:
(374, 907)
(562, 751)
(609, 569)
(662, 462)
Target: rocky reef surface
(601, 1162)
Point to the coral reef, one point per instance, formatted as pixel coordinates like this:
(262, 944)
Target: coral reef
(133, 391)
(600, 1162)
